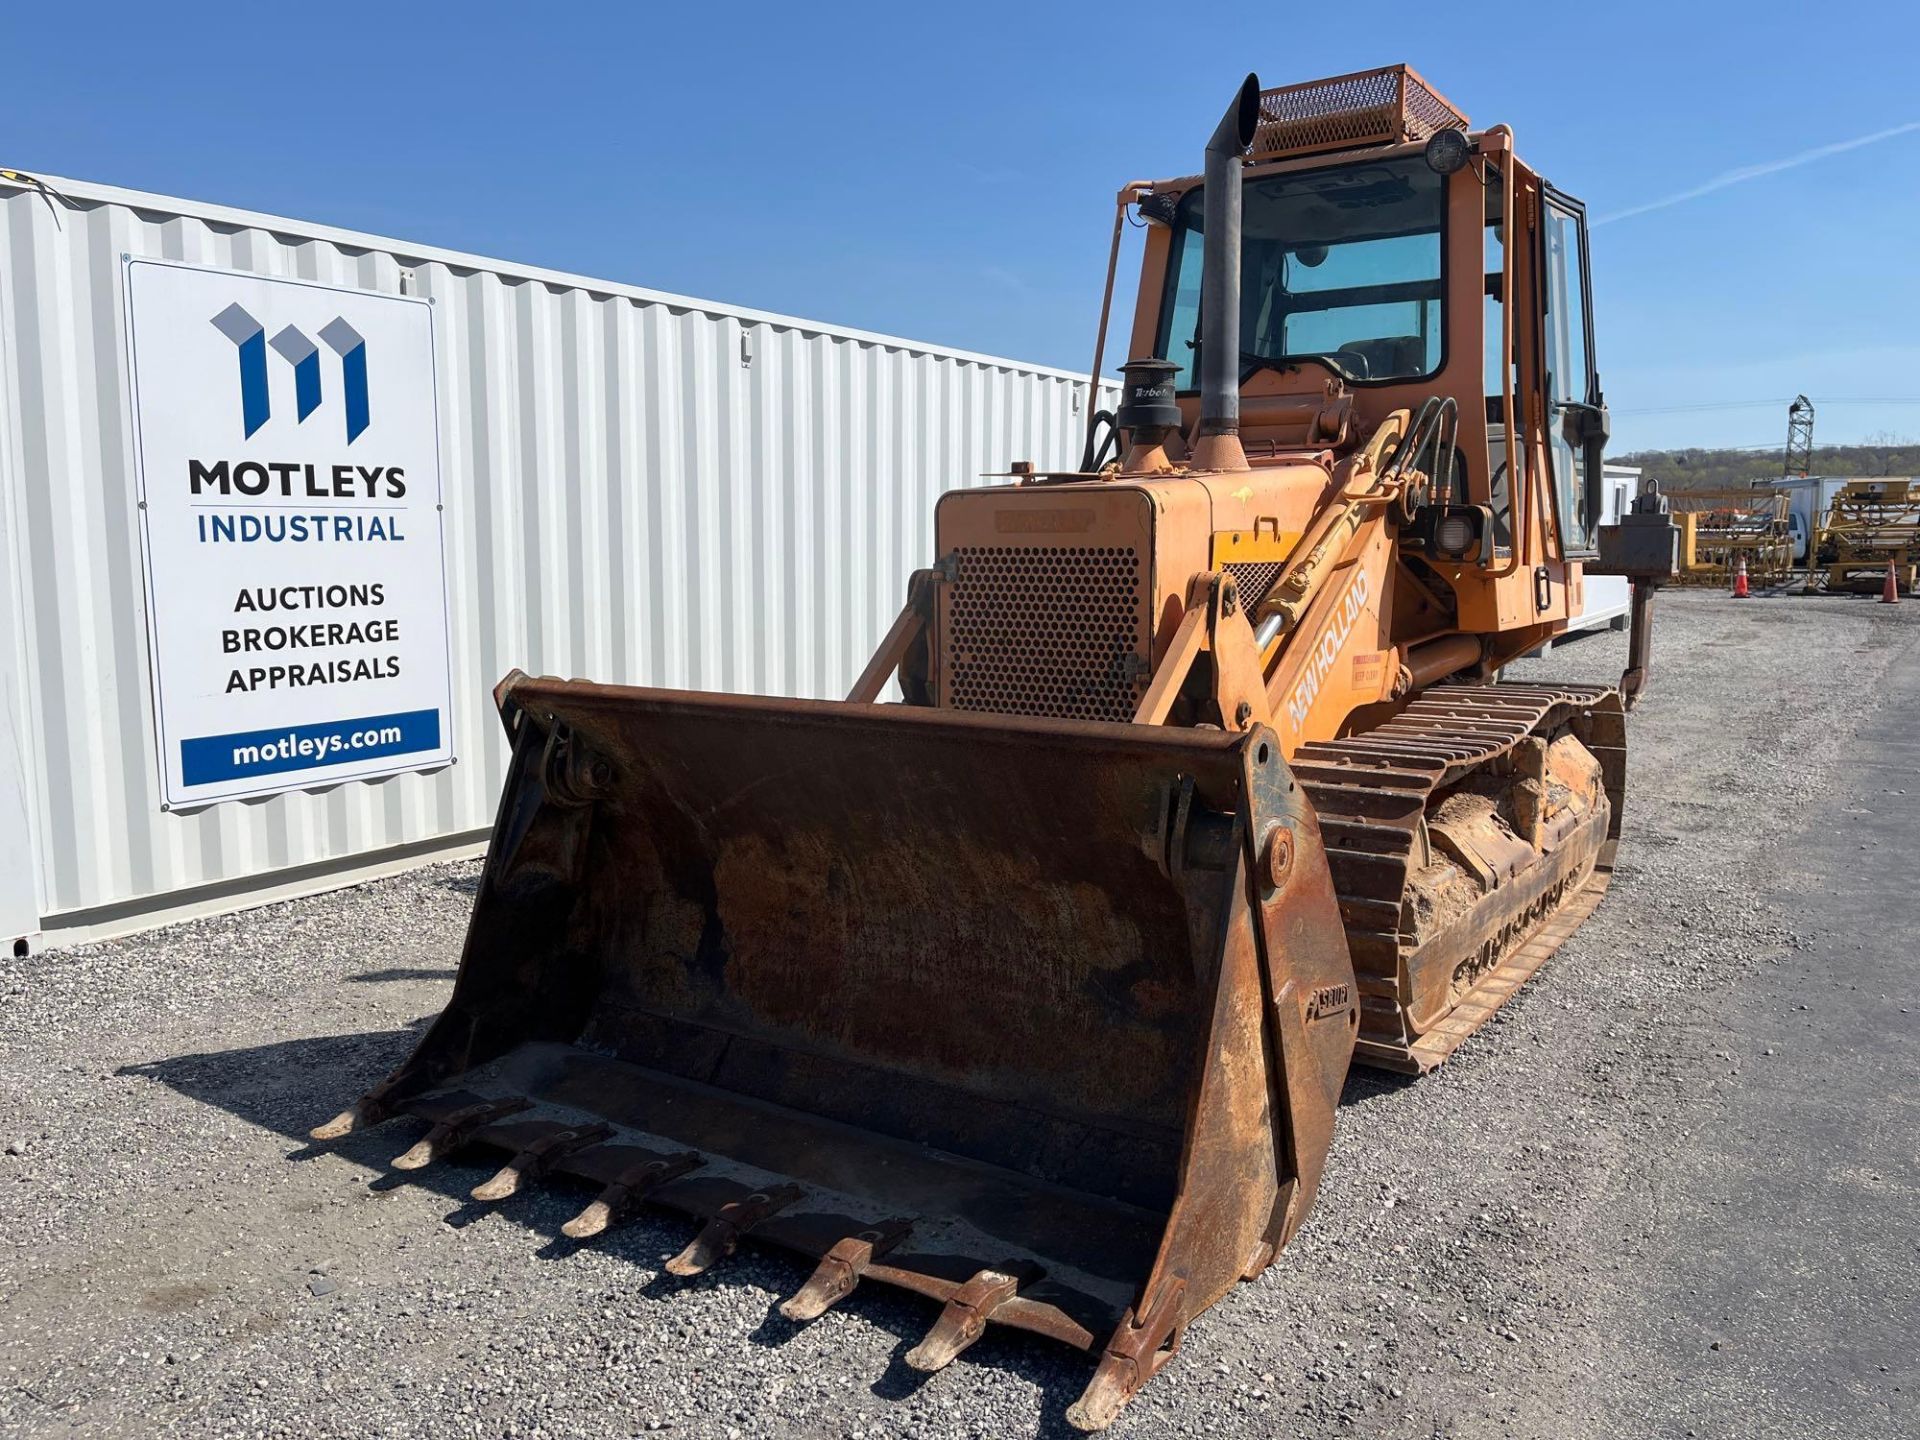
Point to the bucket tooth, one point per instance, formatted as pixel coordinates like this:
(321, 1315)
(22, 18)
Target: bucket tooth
(455, 1130)
(534, 1161)
(1143, 1343)
(620, 1198)
(840, 1270)
(722, 1233)
(363, 1114)
(964, 1320)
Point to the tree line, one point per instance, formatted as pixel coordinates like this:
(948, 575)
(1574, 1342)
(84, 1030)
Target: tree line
(1698, 469)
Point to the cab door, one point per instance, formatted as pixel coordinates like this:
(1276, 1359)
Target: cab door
(1573, 386)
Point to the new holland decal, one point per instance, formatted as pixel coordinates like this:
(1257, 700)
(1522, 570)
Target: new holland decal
(1332, 641)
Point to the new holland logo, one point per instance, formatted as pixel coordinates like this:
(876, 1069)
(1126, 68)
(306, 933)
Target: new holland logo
(249, 337)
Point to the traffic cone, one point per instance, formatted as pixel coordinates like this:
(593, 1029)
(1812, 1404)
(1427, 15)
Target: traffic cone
(1740, 591)
(1890, 591)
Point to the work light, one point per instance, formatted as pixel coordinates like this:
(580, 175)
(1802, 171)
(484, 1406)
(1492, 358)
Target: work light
(1447, 151)
(1454, 535)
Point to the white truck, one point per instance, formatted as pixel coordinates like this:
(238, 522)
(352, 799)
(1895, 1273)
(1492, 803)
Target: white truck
(1809, 497)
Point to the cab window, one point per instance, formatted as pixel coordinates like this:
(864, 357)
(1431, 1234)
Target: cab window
(1341, 265)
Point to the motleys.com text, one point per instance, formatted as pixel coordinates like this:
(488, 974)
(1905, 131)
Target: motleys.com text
(321, 745)
(294, 746)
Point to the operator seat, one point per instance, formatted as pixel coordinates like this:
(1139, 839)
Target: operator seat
(1391, 357)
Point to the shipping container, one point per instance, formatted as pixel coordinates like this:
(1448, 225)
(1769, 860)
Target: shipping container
(639, 487)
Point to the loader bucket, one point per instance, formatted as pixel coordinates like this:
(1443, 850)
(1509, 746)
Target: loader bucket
(1042, 1020)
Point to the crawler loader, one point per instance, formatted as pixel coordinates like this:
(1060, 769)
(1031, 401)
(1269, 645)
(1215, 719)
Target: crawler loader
(1027, 978)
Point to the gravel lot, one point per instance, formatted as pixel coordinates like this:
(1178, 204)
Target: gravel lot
(1550, 1237)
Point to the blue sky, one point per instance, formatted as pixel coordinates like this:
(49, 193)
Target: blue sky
(946, 172)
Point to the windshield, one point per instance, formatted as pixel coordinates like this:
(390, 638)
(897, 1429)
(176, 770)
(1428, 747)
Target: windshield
(1342, 263)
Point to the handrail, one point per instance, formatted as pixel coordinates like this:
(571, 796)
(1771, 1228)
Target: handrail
(1516, 443)
(1129, 193)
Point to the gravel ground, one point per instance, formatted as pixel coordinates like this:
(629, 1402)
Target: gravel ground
(1494, 1253)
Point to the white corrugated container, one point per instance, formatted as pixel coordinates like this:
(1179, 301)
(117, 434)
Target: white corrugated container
(1609, 597)
(640, 487)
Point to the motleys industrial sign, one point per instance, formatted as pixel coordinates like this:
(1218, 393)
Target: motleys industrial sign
(287, 452)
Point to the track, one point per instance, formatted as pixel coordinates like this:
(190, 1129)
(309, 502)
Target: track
(1373, 790)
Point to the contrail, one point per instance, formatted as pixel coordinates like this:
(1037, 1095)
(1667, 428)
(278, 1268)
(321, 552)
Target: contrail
(1754, 172)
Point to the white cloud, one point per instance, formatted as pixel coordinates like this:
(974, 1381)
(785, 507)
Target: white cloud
(1754, 172)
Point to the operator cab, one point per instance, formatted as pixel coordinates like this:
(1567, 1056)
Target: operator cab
(1375, 274)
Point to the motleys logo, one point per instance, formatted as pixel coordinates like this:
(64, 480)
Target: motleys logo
(249, 337)
(1332, 641)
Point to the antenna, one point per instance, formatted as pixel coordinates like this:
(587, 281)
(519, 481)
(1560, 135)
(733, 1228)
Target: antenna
(1799, 438)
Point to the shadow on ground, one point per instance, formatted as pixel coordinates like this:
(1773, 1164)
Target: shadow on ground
(286, 1086)
(404, 972)
(293, 1085)
(1365, 1084)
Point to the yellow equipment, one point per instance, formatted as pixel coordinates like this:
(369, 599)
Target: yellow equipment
(1870, 524)
(1033, 992)
(1721, 528)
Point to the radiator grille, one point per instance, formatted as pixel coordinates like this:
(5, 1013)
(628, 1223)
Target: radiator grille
(1045, 630)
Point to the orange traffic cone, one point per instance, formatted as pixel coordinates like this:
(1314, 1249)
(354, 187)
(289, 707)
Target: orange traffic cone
(1740, 591)
(1890, 591)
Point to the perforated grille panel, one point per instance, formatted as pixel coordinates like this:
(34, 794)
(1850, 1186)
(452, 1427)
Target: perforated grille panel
(1374, 107)
(1053, 630)
(1255, 578)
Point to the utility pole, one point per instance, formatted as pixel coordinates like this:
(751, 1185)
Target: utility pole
(1799, 439)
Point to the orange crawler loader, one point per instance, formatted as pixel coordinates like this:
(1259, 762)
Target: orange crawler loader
(1033, 991)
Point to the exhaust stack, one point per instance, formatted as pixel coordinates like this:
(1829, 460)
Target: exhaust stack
(1219, 444)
